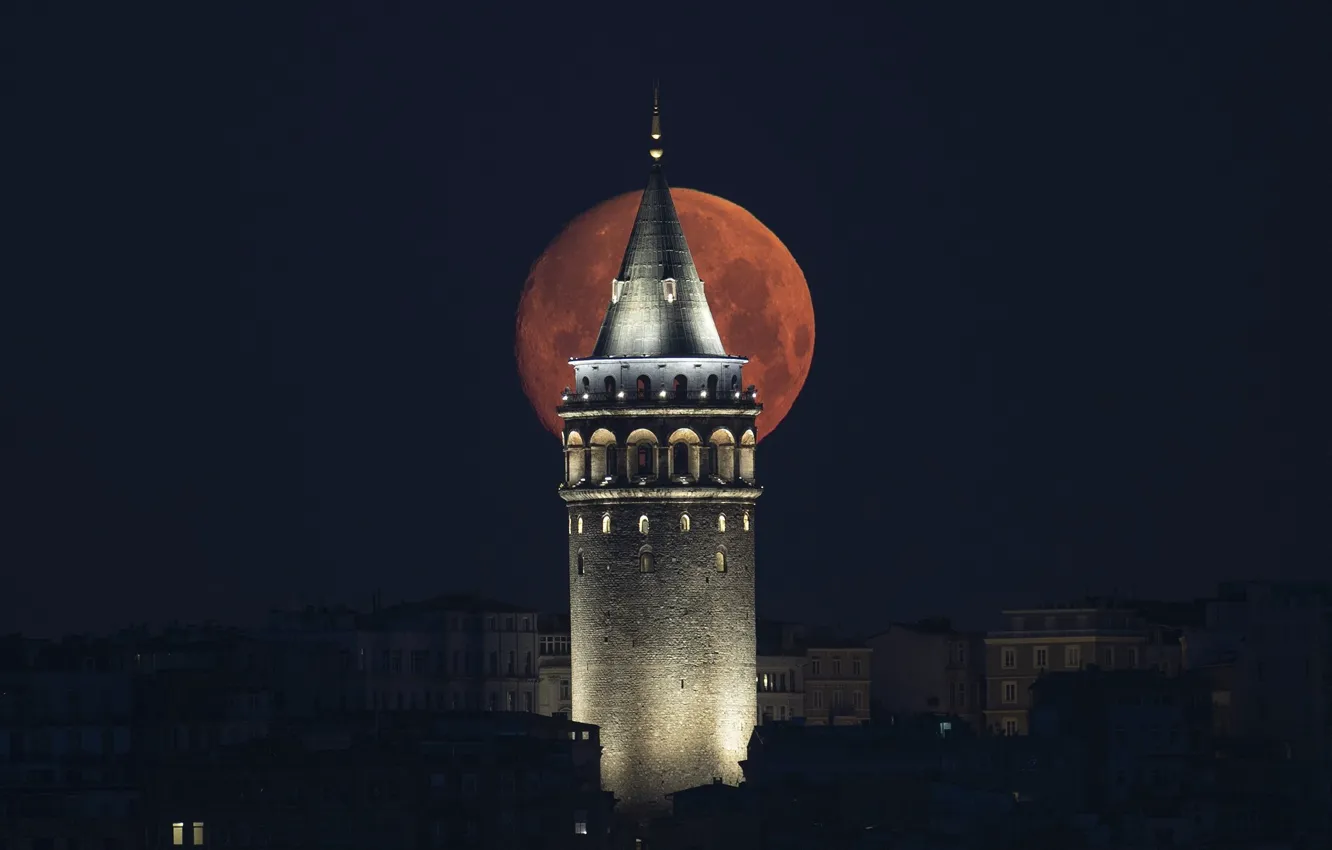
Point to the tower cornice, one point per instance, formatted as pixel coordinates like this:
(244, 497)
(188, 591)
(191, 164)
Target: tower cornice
(598, 412)
(679, 494)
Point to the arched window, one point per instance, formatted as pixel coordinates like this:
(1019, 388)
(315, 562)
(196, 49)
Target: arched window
(643, 524)
(720, 558)
(684, 522)
(580, 525)
(645, 561)
(580, 562)
(680, 459)
(747, 442)
(681, 387)
(735, 382)
(712, 386)
(644, 386)
(644, 459)
(610, 386)
(721, 453)
(746, 520)
(587, 384)
(605, 523)
(721, 523)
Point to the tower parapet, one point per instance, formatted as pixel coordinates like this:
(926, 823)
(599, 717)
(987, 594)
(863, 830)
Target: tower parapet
(660, 484)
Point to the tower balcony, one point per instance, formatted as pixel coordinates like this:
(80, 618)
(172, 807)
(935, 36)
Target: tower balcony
(746, 399)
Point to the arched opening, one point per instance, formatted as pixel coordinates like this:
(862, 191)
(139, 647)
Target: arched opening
(747, 456)
(601, 456)
(645, 560)
(684, 522)
(712, 386)
(580, 525)
(681, 387)
(684, 455)
(642, 446)
(722, 454)
(573, 459)
(721, 522)
(746, 520)
(643, 524)
(587, 384)
(605, 523)
(580, 562)
(644, 386)
(720, 560)
(735, 383)
(610, 386)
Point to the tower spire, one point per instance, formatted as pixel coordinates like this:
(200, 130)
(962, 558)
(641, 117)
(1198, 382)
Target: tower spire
(655, 151)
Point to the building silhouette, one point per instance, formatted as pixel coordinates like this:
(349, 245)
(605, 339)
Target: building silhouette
(659, 437)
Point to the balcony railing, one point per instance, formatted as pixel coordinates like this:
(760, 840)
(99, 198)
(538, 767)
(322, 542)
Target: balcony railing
(660, 398)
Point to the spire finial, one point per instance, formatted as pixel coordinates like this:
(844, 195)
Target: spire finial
(655, 150)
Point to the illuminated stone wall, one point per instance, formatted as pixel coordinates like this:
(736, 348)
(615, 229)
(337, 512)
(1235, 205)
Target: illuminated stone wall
(664, 662)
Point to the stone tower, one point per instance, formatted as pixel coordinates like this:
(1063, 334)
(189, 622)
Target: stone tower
(659, 441)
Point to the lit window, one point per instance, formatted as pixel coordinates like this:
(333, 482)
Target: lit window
(643, 524)
(580, 822)
(745, 520)
(721, 562)
(605, 523)
(587, 736)
(178, 834)
(1009, 658)
(580, 525)
(645, 561)
(684, 522)
(721, 522)
(198, 834)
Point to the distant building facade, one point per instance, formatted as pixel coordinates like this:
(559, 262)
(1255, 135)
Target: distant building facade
(554, 689)
(928, 667)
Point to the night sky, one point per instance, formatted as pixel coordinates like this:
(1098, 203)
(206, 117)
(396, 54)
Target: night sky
(260, 274)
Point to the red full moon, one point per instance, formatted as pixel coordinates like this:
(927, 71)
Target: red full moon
(758, 295)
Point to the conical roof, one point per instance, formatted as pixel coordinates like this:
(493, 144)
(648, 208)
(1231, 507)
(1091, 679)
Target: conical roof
(657, 307)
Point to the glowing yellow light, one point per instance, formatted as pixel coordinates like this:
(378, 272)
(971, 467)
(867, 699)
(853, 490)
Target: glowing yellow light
(656, 153)
(662, 394)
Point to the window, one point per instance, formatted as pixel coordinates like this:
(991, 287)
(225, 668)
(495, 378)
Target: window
(721, 522)
(1108, 654)
(814, 666)
(644, 459)
(712, 386)
(587, 736)
(198, 834)
(605, 523)
(668, 292)
(1040, 657)
(508, 624)
(1008, 658)
(684, 522)
(721, 561)
(818, 699)
(1133, 657)
(580, 570)
(643, 524)
(681, 387)
(610, 386)
(837, 698)
(580, 822)
(494, 663)
(745, 520)
(509, 668)
(1073, 656)
(836, 666)
(512, 702)
(527, 663)
(645, 564)
(856, 698)
(855, 666)
(580, 525)
(961, 699)
(564, 689)
(644, 386)
(177, 834)
(1010, 692)
(1010, 725)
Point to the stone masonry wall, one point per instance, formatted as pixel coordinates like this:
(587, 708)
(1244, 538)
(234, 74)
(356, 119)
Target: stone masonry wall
(664, 662)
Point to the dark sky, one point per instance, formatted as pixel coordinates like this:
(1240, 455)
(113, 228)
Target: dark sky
(260, 271)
